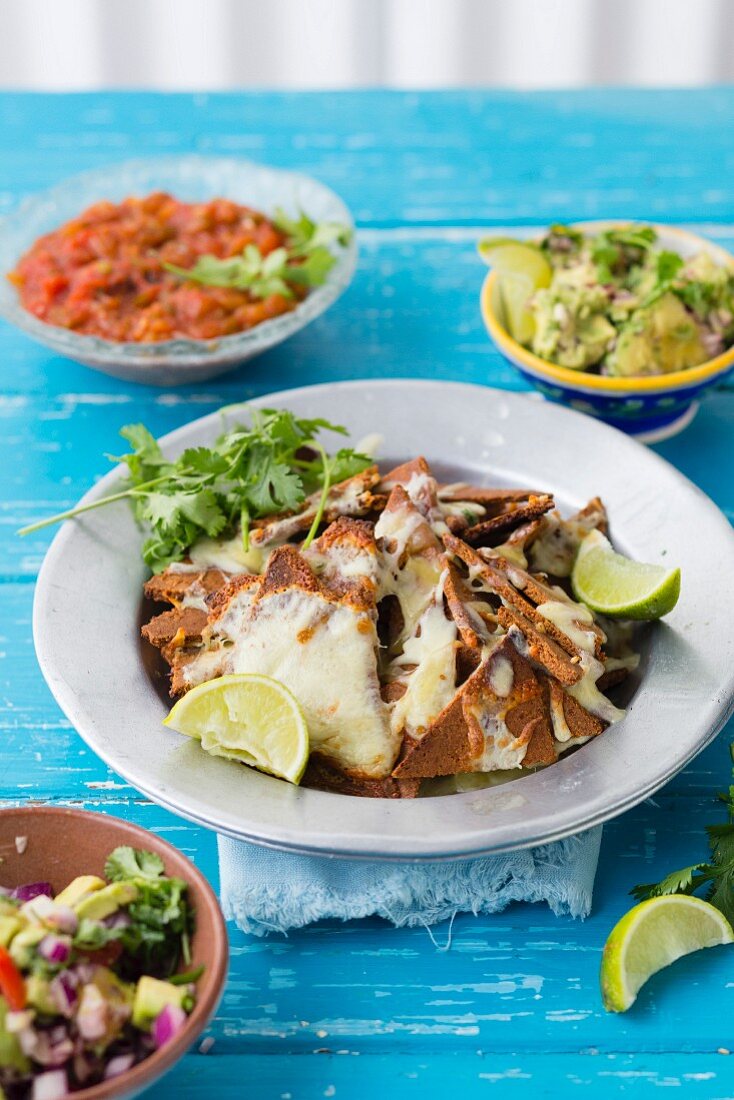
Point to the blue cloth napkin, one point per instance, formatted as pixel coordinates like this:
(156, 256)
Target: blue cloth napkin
(267, 891)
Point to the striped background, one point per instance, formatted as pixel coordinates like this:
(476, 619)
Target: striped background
(223, 44)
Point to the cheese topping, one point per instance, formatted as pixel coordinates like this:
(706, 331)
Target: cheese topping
(325, 653)
(568, 617)
(431, 683)
(228, 555)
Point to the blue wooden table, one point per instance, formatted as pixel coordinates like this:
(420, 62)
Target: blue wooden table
(361, 1010)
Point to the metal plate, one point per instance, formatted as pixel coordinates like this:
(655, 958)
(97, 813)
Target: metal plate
(86, 621)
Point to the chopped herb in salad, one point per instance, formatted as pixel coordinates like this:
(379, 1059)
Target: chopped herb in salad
(90, 978)
(615, 302)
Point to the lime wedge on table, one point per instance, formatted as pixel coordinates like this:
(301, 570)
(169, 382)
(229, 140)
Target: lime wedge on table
(653, 935)
(248, 718)
(620, 587)
(522, 269)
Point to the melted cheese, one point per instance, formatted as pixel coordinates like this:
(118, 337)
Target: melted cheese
(325, 654)
(568, 617)
(501, 676)
(502, 751)
(587, 693)
(414, 582)
(431, 684)
(227, 555)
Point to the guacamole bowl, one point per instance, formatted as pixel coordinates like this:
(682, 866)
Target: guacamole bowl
(650, 408)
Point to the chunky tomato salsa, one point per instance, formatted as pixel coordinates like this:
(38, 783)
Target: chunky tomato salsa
(104, 273)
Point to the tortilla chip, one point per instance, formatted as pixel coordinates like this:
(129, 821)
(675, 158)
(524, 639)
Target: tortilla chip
(503, 697)
(540, 647)
(174, 586)
(182, 623)
(493, 530)
(322, 775)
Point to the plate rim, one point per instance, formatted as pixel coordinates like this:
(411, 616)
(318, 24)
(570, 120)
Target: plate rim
(363, 847)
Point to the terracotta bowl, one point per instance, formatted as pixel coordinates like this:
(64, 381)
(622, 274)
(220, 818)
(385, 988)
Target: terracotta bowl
(61, 844)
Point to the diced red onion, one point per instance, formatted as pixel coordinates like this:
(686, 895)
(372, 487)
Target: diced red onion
(50, 1086)
(63, 992)
(62, 918)
(85, 972)
(32, 890)
(38, 908)
(55, 949)
(91, 1017)
(119, 919)
(167, 1024)
(117, 1065)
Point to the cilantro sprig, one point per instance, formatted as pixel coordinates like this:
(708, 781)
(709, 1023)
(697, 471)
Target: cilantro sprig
(249, 473)
(716, 873)
(156, 936)
(615, 249)
(303, 262)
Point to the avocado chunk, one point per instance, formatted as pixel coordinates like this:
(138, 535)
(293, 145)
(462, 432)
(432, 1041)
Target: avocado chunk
(658, 339)
(151, 997)
(38, 994)
(9, 927)
(78, 889)
(572, 329)
(22, 946)
(11, 1056)
(103, 903)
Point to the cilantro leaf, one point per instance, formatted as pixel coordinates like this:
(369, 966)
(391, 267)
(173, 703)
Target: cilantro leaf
(303, 261)
(274, 486)
(668, 266)
(126, 862)
(718, 873)
(685, 881)
(161, 919)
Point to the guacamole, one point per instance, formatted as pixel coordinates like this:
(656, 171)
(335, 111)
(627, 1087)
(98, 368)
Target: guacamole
(618, 304)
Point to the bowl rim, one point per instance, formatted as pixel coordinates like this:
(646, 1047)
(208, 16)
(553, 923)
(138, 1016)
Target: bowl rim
(176, 349)
(682, 379)
(158, 1063)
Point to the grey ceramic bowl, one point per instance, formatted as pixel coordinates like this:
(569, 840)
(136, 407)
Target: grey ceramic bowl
(90, 589)
(193, 178)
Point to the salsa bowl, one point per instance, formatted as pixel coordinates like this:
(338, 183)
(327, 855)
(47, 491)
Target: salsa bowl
(54, 844)
(651, 408)
(190, 178)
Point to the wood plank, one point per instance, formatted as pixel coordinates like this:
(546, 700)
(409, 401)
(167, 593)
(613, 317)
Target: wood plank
(406, 157)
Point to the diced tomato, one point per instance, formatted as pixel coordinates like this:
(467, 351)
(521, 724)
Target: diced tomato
(103, 272)
(12, 985)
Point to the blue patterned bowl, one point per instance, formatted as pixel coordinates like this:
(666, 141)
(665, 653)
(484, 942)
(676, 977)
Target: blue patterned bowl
(651, 408)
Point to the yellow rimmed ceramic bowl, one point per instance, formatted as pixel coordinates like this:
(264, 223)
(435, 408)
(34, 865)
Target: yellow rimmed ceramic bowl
(651, 408)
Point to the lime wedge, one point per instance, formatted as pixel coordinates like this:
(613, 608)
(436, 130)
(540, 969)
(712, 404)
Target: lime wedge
(248, 718)
(620, 587)
(522, 269)
(653, 935)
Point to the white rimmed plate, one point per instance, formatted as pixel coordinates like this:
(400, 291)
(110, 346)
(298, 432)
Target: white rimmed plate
(87, 618)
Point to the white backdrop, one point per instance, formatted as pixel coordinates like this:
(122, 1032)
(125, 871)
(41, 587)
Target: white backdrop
(220, 44)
